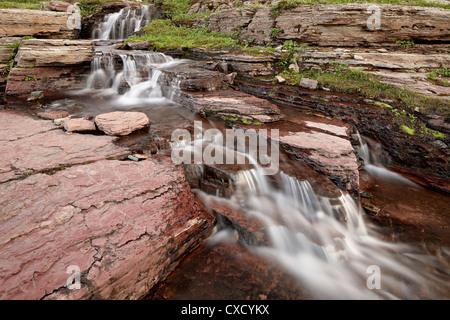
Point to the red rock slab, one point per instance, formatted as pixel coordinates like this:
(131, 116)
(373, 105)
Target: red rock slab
(29, 145)
(124, 224)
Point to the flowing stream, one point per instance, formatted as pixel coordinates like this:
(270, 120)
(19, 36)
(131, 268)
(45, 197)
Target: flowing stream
(327, 244)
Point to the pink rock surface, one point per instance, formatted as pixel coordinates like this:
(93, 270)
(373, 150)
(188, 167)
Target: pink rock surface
(123, 228)
(28, 145)
(332, 155)
(121, 123)
(52, 115)
(79, 125)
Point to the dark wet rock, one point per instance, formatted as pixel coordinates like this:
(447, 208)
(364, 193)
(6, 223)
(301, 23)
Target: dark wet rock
(229, 104)
(227, 272)
(192, 78)
(123, 235)
(121, 123)
(22, 81)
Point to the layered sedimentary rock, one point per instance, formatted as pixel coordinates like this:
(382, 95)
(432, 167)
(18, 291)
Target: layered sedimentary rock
(121, 235)
(38, 23)
(50, 65)
(206, 92)
(336, 25)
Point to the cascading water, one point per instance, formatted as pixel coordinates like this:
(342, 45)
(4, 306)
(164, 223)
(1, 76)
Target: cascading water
(128, 78)
(325, 242)
(120, 25)
(328, 254)
(374, 166)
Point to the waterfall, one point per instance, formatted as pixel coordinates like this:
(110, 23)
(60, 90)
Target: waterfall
(129, 78)
(326, 243)
(120, 25)
(373, 164)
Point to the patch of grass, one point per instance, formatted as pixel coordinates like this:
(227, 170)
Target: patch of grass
(163, 34)
(173, 8)
(241, 120)
(291, 4)
(274, 32)
(21, 4)
(342, 78)
(438, 76)
(407, 129)
(405, 43)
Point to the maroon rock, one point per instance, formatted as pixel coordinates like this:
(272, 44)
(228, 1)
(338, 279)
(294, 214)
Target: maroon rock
(121, 123)
(79, 125)
(52, 115)
(123, 224)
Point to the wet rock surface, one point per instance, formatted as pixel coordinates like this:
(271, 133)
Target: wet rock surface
(224, 272)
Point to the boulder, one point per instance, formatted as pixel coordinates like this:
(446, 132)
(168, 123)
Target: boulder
(59, 6)
(79, 125)
(121, 123)
(122, 225)
(308, 83)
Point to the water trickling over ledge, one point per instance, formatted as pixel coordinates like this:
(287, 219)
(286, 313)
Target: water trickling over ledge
(120, 25)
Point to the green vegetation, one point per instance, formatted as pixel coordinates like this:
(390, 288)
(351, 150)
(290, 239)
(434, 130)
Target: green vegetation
(163, 34)
(241, 120)
(437, 76)
(405, 43)
(20, 4)
(341, 77)
(407, 129)
(274, 32)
